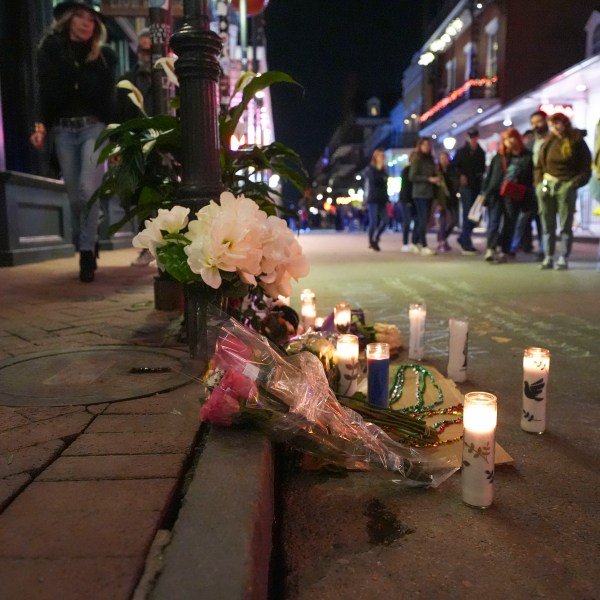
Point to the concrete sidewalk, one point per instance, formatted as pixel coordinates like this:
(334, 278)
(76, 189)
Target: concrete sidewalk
(95, 459)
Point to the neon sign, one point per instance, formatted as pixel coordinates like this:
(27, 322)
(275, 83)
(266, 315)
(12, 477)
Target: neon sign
(552, 109)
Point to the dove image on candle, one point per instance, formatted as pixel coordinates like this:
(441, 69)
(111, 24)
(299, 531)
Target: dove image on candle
(479, 443)
(536, 368)
(342, 315)
(458, 343)
(347, 362)
(416, 342)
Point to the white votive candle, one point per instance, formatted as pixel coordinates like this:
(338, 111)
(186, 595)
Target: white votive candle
(342, 315)
(536, 368)
(458, 342)
(309, 314)
(307, 295)
(416, 343)
(319, 322)
(479, 442)
(347, 362)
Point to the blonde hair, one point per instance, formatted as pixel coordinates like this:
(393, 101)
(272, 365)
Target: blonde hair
(63, 26)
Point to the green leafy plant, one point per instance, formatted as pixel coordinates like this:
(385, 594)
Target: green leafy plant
(145, 156)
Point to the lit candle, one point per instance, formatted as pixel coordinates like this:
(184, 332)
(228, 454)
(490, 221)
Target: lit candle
(319, 322)
(342, 315)
(536, 368)
(347, 361)
(378, 374)
(458, 341)
(416, 343)
(283, 300)
(307, 295)
(479, 443)
(309, 314)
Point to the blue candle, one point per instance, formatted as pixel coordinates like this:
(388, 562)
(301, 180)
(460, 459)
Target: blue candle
(378, 374)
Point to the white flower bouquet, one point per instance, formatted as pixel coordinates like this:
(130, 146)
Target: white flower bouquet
(229, 246)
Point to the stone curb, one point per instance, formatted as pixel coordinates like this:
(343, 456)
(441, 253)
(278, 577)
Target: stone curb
(221, 542)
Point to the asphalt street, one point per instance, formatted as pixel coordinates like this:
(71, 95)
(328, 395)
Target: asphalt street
(540, 538)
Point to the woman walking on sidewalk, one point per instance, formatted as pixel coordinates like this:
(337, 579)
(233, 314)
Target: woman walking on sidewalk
(423, 176)
(76, 98)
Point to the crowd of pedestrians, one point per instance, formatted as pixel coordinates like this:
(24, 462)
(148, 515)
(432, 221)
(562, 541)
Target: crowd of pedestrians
(531, 180)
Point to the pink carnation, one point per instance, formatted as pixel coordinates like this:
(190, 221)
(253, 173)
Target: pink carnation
(226, 399)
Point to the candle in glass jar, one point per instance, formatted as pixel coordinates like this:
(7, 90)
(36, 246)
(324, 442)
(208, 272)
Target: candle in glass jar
(309, 314)
(479, 443)
(342, 315)
(347, 362)
(416, 343)
(536, 368)
(378, 374)
(307, 295)
(458, 336)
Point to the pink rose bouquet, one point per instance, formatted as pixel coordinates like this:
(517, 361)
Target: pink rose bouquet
(290, 399)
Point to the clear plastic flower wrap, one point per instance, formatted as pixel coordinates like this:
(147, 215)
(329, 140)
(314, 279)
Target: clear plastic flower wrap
(290, 399)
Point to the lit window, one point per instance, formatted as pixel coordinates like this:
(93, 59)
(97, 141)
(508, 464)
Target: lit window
(491, 62)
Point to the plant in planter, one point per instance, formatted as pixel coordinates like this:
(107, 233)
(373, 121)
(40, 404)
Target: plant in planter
(236, 248)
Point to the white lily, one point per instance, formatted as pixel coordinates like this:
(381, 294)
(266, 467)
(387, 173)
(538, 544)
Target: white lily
(134, 94)
(167, 64)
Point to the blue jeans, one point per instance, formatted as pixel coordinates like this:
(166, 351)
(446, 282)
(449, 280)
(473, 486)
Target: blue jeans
(409, 215)
(423, 207)
(377, 220)
(82, 176)
(501, 223)
(467, 198)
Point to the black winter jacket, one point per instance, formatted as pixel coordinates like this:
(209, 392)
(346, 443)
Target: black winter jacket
(71, 87)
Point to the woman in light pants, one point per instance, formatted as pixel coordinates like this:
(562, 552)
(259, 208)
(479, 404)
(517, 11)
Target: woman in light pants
(564, 164)
(76, 99)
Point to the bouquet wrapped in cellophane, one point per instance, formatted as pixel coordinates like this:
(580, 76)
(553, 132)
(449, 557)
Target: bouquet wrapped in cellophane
(290, 399)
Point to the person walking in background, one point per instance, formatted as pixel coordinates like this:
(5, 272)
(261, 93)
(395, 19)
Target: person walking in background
(449, 206)
(523, 238)
(376, 193)
(76, 97)
(511, 165)
(424, 178)
(469, 163)
(564, 164)
(141, 76)
(408, 208)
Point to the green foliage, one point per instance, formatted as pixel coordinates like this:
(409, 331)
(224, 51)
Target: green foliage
(145, 159)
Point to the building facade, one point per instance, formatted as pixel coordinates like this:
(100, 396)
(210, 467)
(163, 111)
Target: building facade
(491, 63)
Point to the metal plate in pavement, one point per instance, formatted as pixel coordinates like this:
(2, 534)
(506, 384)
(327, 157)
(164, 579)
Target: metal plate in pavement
(92, 375)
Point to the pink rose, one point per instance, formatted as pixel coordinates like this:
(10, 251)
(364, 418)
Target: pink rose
(225, 401)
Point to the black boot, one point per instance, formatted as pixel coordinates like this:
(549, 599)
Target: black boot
(87, 262)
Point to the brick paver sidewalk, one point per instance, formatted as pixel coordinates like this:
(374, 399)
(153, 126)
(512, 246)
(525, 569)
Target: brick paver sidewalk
(84, 489)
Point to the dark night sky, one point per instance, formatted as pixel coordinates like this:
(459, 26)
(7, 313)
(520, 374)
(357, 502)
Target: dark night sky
(342, 52)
